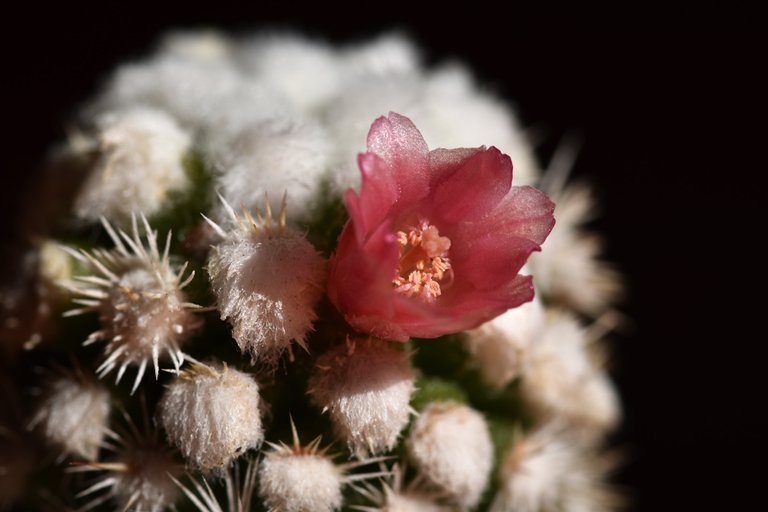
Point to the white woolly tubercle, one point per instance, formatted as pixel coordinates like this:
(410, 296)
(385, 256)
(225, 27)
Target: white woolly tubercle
(74, 414)
(500, 346)
(267, 279)
(271, 157)
(549, 471)
(212, 414)
(139, 163)
(562, 381)
(366, 385)
(300, 478)
(142, 308)
(451, 446)
(304, 72)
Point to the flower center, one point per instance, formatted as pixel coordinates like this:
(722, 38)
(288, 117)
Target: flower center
(423, 262)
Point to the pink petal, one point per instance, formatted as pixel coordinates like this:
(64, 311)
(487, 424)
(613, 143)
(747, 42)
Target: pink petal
(491, 260)
(444, 162)
(524, 212)
(401, 146)
(467, 311)
(474, 188)
(378, 192)
(360, 276)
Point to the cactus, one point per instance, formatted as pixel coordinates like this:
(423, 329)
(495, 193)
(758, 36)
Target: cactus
(294, 338)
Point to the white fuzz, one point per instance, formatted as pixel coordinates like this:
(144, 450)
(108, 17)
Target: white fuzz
(143, 311)
(267, 279)
(304, 72)
(300, 478)
(73, 414)
(548, 471)
(386, 55)
(499, 346)
(366, 385)
(561, 379)
(568, 269)
(141, 478)
(212, 414)
(451, 446)
(272, 157)
(203, 95)
(139, 163)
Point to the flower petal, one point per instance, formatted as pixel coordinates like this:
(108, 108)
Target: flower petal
(378, 193)
(474, 188)
(490, 260)
(401, 146)
(360, 275)
(524, 212)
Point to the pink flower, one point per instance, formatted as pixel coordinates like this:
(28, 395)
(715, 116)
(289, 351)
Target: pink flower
(435, 239)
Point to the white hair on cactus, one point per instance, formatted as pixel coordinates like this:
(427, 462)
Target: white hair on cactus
(140, 151)
(300, 478)
(499, 346)
(239, 496)
(366, 385)
(561, 379)
(547, 470)
(143, 311)
(267, 279)
(141, 477)
(73, 413)
(385, 55)
(212, 414)
(451, 446)
(203, 95)
(272, 157)
(569, 270)
(305, 72)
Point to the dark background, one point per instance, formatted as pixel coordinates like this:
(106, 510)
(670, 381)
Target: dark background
(673, 123)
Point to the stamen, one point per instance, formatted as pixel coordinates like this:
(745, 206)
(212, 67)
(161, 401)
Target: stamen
(423, 262)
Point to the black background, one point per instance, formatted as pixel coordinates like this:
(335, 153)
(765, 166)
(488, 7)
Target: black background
(673, 124)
